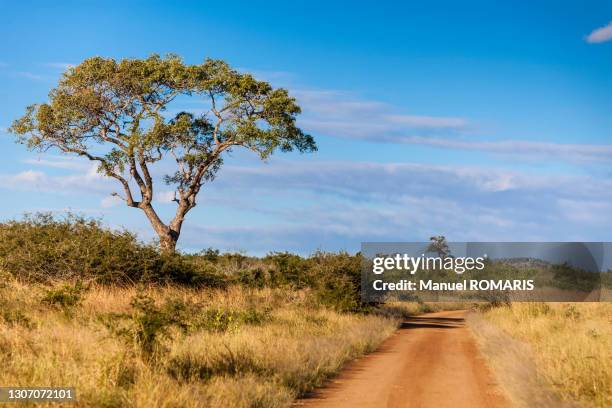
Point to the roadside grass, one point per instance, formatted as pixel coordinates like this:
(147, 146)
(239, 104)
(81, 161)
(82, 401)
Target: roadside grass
(88, 307)
(169, 346)
(570, 344)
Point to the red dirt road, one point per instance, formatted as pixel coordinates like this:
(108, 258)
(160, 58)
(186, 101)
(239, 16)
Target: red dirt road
(432, 361)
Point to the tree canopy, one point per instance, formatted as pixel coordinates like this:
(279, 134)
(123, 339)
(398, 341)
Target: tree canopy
(117, 114)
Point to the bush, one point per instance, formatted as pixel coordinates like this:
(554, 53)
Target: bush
(227, 320)
(65, 296)
(44, 248)
(150, 323)
(184, 270)
(570, 278)
(286, 268)
(336, 280)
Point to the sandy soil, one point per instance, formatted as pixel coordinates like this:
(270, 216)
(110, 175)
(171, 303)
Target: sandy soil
(432, 361)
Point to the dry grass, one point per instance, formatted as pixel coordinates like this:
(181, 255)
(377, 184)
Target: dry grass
(271, 346)
(570, 344)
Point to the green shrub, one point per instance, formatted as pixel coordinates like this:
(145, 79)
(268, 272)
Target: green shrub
(185, 270)
(537, 309)
(572, 312)
(209, 254)
(149, 324)
(227, 320)
(15, 318)
(253, 278)
(65, 296)
(569, 278)
(336, 280)
(218, 320)
(286, 268)
(44, 248)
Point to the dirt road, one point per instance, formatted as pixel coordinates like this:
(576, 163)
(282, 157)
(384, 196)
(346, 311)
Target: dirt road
(432, 361)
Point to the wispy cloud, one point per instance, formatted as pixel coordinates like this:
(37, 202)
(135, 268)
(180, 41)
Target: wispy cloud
(343, 203)
(434, 122)
(589, 212)
(21, 179)
(308, 204)
(521, 148)
(82, 181)
(60, 162)
(601, 34)
(341, 114)
(357, 179)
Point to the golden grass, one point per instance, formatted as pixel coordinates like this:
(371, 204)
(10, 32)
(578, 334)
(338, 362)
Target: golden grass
(571, 345)
(266, 363)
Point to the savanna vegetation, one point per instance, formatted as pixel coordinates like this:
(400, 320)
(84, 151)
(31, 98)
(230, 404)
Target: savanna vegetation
(130, 326)
(569, 345)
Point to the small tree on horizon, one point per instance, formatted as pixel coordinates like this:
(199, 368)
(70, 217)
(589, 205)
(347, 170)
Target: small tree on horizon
(439, 246)
(115, 113)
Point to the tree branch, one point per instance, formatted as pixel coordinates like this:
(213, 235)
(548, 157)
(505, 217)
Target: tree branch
(107, 169)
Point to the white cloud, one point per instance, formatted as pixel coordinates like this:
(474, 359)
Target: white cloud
(60, 162)
(358, 178)
(601, 34)
(302, 205)
(591, 212)
(86, 180)
(341, 178)
(520, 148)
(341, 114)
(428, 121)
(28, 176)
(339, 204)
(28, 180)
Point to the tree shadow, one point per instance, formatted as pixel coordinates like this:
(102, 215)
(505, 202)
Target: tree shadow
(417, 322)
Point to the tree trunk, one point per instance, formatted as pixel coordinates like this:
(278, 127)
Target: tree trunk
(168, 236)
(167, 242)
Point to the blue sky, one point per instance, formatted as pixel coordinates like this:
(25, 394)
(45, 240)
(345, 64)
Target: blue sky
(479, 120)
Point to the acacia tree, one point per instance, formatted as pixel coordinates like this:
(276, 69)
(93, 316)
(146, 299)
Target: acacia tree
(115, 113)
(440, 246)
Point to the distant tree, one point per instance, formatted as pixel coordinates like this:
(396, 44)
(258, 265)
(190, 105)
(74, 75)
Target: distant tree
(115, 113)
(439, 246)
